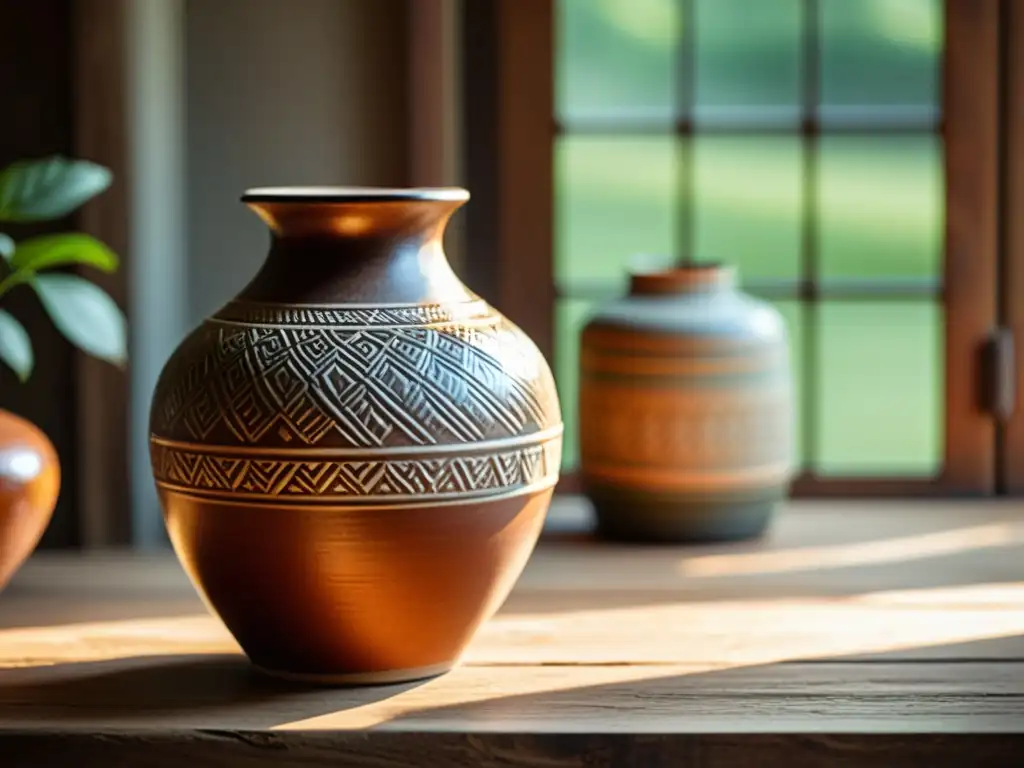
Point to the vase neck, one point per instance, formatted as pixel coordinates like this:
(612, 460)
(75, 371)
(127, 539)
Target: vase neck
(362, 246)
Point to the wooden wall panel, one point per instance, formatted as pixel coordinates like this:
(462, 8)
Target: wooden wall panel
(101, 135)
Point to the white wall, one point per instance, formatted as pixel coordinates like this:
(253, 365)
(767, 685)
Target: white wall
(158, 272)
(283, 92)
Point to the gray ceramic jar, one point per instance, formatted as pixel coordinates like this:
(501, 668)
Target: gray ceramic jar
(686, 409)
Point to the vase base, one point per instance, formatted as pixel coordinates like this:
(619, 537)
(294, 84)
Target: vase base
(639, 517)
(346, 679)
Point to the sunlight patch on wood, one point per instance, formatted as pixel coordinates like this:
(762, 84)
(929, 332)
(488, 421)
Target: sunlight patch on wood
(469, 685)
(1003, 594)
(103, 640)
(755, 631)
(860, 553)
(583, 649)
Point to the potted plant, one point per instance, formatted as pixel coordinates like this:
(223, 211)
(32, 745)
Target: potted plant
(32, 191)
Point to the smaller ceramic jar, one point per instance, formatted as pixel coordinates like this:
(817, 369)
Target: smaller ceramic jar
(686, 409)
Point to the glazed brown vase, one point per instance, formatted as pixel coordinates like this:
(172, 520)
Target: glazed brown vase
(686, 409)
(29, 484)
(355, 456)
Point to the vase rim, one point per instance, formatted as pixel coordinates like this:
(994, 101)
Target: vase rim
(353, 194)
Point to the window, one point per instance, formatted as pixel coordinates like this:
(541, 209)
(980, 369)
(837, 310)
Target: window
(815, 144)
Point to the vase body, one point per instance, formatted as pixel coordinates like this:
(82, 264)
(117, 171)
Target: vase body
(686, 411)
(356, 455)
(29, 484)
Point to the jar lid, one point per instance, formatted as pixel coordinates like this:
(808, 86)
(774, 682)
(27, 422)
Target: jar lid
(684, 278)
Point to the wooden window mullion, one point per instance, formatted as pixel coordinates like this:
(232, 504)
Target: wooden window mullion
(1011, 453)
(971, 108)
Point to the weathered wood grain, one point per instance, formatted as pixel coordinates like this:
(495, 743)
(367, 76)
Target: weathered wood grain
(702, 632)
(220, 749)
(223, 692)
(848, 637)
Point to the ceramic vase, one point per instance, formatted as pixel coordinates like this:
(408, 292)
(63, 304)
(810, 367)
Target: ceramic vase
(29, 484)
(355, 455)
(686, 409)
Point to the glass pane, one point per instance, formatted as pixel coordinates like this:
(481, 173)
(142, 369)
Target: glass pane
(748, 59)
(881, 207)
(570, 315)
(880, 56)
(615, 59)
(793, 313)
(747, 204)
(880, 391)
(614, 198)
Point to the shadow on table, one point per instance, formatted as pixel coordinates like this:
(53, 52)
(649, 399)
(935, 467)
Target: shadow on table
(18, 610)
(828, 553)
(829, 712)
(955, 704)
(179, 690)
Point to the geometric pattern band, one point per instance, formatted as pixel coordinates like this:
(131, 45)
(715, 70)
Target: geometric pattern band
(373, 387)
(352, 478)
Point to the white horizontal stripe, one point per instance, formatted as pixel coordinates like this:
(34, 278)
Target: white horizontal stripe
(483, 446)
(331, 503)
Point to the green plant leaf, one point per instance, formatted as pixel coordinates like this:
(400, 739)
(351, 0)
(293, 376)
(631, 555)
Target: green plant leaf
(85, 314)
(6, 247)
(35, 190)
(48, 251)
(15, 345)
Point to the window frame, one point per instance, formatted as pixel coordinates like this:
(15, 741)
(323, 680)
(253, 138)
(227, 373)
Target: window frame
(510, 128)
(1010, 454)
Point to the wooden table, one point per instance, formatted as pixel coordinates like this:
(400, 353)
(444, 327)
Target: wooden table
(856, 634)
